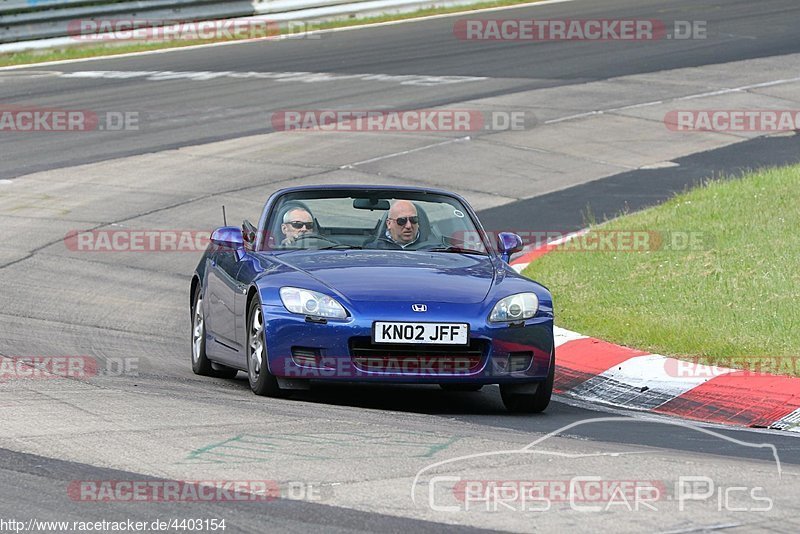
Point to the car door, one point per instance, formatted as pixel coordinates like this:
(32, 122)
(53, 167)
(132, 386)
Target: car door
(222, 292)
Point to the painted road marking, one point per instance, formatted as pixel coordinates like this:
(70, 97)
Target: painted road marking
(771, 83)
(304, 77)
(791, 422)
(562, 336)
(535, 3)
(644, 382)
(326, 446)
(404, 152)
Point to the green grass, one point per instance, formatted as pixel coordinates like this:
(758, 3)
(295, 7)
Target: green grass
(93, 50)
(733, 297)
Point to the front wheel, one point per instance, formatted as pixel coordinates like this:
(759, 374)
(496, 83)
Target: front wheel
(201, 365)
(516, 400)
(262, 382)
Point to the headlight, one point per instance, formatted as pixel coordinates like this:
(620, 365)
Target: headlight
(515, 308)
(308, 302)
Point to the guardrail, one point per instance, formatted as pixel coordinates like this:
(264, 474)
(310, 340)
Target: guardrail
(23, 20)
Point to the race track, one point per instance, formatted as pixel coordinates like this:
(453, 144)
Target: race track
(594, 137)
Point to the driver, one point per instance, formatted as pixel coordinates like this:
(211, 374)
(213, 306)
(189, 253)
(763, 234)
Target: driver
(402, 227)
(296, 222)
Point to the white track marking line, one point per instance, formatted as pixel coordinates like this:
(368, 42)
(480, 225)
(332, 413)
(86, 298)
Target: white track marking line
(404, 152)
(761, 85)
(740, 89)
(562, 336)
(519, 267)
(314, 32)
(789, 423)
(663, 373)
(646, 382)
(420, 80)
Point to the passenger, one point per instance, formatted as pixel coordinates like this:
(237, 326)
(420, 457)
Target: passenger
(296, 222)
(402, 227)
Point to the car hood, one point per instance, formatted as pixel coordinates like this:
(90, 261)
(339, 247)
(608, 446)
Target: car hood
(362, 275)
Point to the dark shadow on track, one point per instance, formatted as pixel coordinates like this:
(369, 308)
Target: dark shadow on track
(485, 408)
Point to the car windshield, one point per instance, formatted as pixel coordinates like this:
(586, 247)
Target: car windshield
(385, 220)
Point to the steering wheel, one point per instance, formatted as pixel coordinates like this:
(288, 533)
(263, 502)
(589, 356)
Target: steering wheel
(311, 240)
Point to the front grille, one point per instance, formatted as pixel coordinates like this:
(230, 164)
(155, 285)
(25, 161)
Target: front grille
(417, 359)
(306, 357)
(519, 361)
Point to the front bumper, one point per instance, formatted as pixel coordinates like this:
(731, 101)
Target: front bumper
(343, 351)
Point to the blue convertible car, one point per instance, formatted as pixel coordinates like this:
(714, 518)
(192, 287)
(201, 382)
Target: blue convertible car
(371, 284)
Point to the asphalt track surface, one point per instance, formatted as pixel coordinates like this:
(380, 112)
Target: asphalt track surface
(178, 113)
(174, 115)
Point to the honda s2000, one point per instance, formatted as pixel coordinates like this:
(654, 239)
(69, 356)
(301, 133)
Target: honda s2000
(371, 284)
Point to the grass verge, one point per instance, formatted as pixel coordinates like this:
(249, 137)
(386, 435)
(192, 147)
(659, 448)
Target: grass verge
(730, 297)
(94, 50)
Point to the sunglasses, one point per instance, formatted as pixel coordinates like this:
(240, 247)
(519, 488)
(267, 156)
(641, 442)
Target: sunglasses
(403, 220)
(299, 224)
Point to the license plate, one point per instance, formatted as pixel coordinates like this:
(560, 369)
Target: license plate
(429, 333)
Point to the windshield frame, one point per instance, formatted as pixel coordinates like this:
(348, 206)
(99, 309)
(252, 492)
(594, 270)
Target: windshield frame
(278, 198)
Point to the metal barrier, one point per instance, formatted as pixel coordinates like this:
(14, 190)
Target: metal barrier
(23, 20)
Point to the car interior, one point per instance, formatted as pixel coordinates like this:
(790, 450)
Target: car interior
(349, 235)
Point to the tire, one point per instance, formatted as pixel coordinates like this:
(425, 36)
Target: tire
(201, 365)
(262, 382)
(530, 402)
(461, 387)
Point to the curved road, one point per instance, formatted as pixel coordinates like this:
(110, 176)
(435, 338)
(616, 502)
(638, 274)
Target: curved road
(176, 113)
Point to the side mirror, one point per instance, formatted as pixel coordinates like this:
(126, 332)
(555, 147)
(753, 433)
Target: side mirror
(228, 237)
(508, 243)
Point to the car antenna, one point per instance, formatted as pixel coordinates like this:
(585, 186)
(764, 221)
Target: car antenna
(224, 218)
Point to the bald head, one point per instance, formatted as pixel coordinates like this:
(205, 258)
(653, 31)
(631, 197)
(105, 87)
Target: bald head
(296, 217)
(403, 210)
